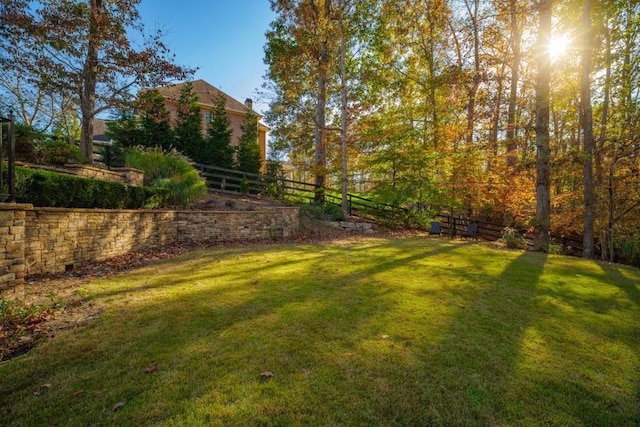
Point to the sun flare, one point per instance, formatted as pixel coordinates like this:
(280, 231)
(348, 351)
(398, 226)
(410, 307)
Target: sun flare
(558, 46)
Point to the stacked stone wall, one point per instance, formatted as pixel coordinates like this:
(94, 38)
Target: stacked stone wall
(51, 240)
(129, 176)
(12, 248)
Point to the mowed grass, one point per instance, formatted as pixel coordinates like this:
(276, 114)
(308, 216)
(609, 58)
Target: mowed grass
(411, 331)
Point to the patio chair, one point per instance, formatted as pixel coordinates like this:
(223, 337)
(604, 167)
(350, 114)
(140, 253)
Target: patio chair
(435, 228)
(471, 232)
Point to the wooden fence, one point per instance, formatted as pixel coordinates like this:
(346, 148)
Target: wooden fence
(239, 182)
(453, 226)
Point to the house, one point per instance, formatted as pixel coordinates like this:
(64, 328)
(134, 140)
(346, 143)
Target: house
(100, 132)
(206, 95)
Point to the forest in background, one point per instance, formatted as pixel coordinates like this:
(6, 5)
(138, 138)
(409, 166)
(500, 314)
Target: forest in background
(435, 102)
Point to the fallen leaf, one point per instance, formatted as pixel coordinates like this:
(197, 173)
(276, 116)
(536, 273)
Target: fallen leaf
(384, 337)
(78, 393)
(48, 385)
(36, 393)
(150, 369)
(267, 374)
(119, 405)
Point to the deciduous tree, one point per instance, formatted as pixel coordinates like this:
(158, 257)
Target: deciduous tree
(543, 152)
(84, 48)
(587, 129)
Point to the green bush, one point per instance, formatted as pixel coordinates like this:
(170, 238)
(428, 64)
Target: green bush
(50, 189)
(58, 152)
(628, 250)
(419, 219)
(513, 238)
(27, 141)
(170, 171)
(328, 211)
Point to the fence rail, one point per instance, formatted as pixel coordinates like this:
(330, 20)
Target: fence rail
(491, 231)
(239, 182)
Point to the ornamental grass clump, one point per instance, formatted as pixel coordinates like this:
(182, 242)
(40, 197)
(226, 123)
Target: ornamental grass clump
(169, 170)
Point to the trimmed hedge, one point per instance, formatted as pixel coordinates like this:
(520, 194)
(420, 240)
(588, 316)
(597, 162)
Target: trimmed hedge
(44, 188)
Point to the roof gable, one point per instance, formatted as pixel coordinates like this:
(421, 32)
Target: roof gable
(205, 93)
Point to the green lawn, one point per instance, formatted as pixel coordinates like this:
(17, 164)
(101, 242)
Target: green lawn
(412, 331)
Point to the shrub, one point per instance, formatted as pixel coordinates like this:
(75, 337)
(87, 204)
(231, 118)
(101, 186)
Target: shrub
(27, 141)
(628, 250)
(58, 152)
(274, 172)
(50, 189)
(513, 238)
(328, 211)
(171, 171)
(419, 219)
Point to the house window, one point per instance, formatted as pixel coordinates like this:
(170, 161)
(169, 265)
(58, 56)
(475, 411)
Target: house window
(208, 115)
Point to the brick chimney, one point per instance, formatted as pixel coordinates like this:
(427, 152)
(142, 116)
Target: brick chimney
(249, 103)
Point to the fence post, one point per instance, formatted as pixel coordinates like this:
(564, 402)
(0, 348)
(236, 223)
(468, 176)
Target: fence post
(1, 150)
(12, 158)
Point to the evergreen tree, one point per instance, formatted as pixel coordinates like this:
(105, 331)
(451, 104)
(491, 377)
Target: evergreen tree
(217, 150)
(125, 130)
(249, 158)
(155, 121)
(188, 129)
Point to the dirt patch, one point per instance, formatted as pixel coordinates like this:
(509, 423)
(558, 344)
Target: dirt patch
(231, 202)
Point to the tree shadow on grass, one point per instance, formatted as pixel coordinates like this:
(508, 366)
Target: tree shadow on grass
(200, 260)
(629, 285)
(364, 337)
(246, 324)
(468, 370)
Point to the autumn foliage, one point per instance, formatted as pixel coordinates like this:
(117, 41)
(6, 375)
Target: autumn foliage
(447, 105)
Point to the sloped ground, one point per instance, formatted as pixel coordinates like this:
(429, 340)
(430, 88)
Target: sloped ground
(47, 305)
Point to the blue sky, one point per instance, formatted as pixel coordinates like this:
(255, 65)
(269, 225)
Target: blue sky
(223, 38)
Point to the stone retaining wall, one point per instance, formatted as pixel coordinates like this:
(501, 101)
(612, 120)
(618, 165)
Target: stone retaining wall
(123, 175)
(129, 176)
(52, 240)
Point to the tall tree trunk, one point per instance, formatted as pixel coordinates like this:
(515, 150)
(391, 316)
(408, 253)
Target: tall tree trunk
(495, 119)
(604, 119)
(343, 116)
(543, 154)
(587, 129)
(471, 105)
(516, 34)
(320, 156)
(89, 73)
